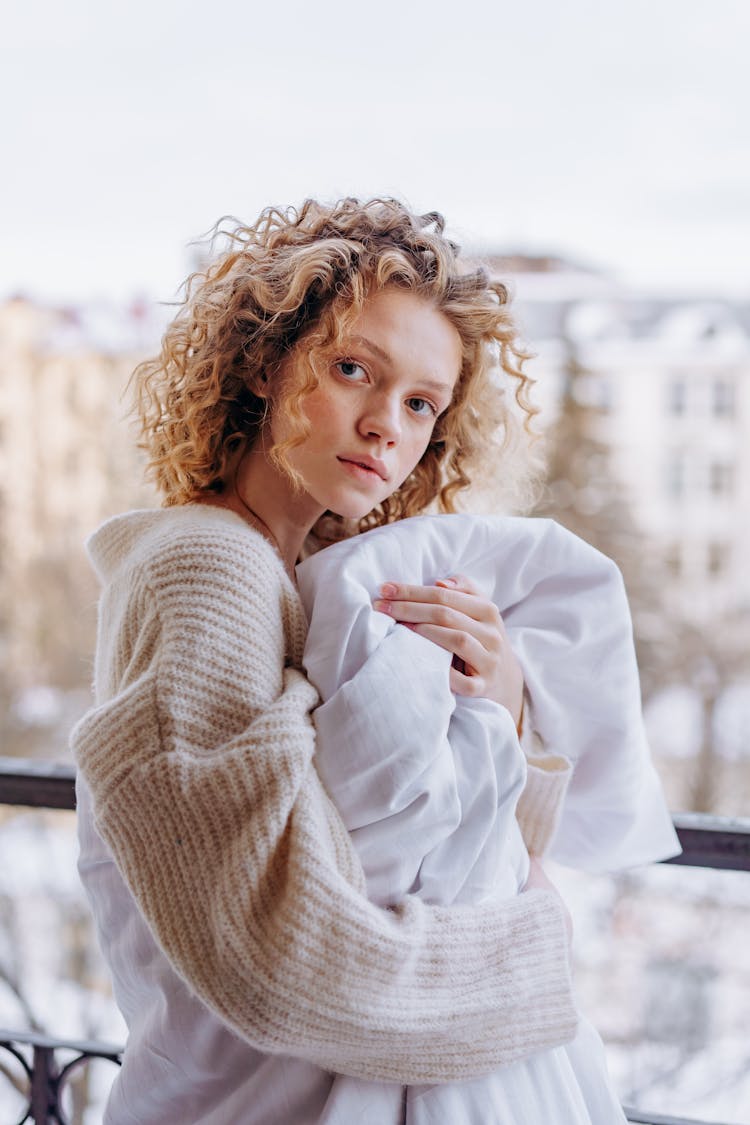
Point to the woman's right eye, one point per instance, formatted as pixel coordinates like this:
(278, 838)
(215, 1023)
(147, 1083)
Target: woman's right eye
(350, 370)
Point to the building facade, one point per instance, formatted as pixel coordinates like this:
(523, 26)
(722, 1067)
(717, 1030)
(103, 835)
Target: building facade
(671, 380)
(67, 461)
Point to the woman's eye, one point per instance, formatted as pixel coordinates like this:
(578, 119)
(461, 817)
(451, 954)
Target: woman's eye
(421, 406)
(352, 371)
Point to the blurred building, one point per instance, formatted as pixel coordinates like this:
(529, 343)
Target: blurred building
(67, 460)
(671, 380)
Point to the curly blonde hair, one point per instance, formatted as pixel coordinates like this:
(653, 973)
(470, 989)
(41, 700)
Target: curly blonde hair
(299, 277)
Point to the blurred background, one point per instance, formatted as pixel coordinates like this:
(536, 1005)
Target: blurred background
(595, 156)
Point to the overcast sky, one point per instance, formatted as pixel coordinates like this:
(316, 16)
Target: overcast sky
(616, 132)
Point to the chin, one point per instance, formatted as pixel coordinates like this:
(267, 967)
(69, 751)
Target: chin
(353, 509)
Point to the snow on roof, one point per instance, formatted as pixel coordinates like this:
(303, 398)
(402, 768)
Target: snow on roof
(700, 322)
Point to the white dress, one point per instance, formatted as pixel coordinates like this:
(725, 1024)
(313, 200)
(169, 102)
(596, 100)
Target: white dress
(428, 782)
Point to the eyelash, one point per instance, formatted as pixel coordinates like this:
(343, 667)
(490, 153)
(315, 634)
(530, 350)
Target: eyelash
(348, 363)
(426, 401)
(433, 411)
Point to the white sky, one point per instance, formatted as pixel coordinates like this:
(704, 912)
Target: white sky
(616, 132)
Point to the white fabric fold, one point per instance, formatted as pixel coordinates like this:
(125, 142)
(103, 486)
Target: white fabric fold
(429, 783)
(567, 617)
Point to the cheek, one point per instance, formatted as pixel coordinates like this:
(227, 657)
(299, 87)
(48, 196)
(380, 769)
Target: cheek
(317, 413)
(319, 408)
(413, 453)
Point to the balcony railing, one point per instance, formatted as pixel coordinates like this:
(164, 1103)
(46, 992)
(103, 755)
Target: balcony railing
(46, 1076)
(707, 841)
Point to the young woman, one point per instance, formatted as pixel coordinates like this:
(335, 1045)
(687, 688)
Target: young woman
(334, 369)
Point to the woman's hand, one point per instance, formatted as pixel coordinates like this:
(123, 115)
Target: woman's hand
(454, 615)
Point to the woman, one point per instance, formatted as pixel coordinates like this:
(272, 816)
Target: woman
(332, 369)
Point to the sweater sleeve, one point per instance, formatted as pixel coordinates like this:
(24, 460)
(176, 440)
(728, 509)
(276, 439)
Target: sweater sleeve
(205, 789)
(541, 802)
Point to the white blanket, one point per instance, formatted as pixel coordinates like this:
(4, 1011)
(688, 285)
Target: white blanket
(428, 782)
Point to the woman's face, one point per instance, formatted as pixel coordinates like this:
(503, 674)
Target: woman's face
(374, 410)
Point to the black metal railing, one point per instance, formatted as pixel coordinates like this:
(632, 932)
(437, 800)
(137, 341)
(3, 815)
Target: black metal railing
(707, 841)
(41, 785)
(713, 841)
(45, 1077)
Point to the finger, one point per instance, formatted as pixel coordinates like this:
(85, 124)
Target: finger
(471, 605)
(463, 584)
(433, 613)
(459, 582)
(461, 684)
(441, 616)
(467, 648)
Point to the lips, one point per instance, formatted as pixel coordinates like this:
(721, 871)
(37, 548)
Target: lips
(369, 463)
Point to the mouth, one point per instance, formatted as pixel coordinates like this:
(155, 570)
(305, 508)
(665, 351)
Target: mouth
(373, 468)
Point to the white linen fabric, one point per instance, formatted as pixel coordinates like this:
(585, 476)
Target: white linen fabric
(428, 783)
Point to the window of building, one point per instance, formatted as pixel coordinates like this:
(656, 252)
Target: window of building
(723, 396)
(675, 476)
(721, 478)
(717, 558)
(677, 397)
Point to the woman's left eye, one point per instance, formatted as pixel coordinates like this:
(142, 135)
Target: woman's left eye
(352, 371)
(421, 406)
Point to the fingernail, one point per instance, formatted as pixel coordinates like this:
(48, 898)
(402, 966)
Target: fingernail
(388, 590)
(448, 581)
(381, 606)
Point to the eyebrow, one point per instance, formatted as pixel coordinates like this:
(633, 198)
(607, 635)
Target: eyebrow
(433, 384)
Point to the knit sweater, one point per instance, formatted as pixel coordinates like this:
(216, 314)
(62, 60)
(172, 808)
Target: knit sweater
(199, 755)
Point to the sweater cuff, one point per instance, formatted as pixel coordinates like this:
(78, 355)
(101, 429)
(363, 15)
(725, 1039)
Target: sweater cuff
(541, 803)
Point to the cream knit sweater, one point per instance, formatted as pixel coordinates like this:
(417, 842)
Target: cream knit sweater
(199, 755)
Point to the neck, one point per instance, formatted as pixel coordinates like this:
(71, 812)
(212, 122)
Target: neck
(267, 499)
(256, 519)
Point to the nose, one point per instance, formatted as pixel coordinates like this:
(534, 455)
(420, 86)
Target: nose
(381, 419)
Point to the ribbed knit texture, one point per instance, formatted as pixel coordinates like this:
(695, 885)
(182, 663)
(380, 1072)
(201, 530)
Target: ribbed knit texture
(548, 776)
(199, 756)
